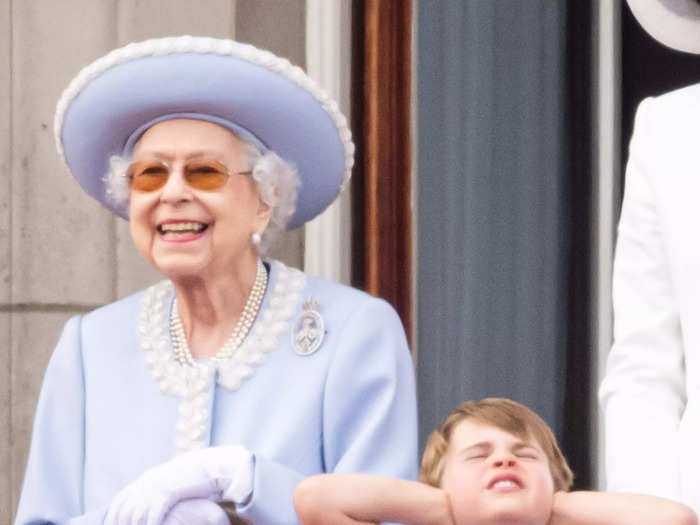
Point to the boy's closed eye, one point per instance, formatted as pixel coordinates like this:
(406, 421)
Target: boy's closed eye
(482, 451)
(527, 455)
(476, 452)
(527, 452)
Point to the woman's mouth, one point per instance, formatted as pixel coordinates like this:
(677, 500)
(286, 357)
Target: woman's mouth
(181, 231)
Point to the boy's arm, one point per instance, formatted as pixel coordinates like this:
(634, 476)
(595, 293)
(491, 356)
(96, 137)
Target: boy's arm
(605, 508)
(349, 499)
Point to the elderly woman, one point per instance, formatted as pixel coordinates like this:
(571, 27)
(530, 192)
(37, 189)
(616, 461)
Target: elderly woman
(236, 377)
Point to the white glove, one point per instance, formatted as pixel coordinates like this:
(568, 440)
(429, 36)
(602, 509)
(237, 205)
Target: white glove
(196, 512)
(218, 473)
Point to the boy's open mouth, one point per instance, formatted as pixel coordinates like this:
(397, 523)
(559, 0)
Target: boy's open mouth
(505, 482)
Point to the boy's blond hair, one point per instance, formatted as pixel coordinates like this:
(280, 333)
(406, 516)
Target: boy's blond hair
(502, 413)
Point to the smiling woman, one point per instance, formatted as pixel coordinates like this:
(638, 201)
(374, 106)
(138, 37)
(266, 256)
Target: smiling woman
(199, 232)
(236, 377)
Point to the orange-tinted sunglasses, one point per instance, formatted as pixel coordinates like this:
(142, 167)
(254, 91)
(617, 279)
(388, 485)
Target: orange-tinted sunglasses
(207, 175)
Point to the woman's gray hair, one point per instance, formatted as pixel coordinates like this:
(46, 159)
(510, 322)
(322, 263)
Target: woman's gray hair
(277, 181)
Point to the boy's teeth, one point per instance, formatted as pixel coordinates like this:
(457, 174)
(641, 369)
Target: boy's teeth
(505, 483)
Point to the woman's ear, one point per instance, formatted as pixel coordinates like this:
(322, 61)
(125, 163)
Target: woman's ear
(263, 215)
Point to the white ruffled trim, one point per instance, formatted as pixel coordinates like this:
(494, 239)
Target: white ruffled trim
(190, 44)
(192, 383)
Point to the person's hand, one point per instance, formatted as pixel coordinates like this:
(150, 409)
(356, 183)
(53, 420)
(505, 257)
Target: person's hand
(218, 473)
(196, 512)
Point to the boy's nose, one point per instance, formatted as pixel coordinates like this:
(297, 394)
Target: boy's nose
(504, 459)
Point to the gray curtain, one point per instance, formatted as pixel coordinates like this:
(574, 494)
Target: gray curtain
(492, 223)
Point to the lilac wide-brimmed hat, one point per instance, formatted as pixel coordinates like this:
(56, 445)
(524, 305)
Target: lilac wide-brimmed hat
(260, 96)
(674, 23)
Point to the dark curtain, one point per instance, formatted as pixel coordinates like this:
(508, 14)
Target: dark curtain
(503, 211)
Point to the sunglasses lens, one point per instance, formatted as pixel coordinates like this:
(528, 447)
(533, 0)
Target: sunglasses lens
(147, 176)
(206, 175)
(200, 174)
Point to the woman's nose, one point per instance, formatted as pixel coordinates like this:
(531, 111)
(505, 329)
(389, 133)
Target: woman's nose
(176, 188)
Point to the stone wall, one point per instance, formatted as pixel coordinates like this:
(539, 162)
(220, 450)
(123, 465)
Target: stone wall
(61, 254)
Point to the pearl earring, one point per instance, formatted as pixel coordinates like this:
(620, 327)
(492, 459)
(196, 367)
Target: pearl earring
(256, 239)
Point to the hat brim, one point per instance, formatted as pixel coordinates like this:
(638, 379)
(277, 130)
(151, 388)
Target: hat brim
(674, 23)
(282, 114)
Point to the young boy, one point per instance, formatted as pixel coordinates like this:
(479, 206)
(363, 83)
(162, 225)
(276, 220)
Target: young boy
(492, 461)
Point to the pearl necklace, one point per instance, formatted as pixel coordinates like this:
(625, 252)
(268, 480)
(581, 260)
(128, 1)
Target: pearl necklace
(240, 331)
(192, 384)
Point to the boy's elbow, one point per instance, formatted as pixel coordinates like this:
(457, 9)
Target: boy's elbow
(307, 501)
(690, 518)
(684, 516)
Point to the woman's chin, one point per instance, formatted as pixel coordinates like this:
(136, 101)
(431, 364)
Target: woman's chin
(179, 267)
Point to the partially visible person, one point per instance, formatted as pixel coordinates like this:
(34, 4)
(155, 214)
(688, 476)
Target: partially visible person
(649, 395)
(492, 461)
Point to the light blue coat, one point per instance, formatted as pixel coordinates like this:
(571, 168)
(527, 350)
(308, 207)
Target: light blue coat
(102, 419)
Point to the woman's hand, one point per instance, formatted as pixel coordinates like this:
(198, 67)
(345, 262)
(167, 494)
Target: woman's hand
(196, 512)
(218, 473)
